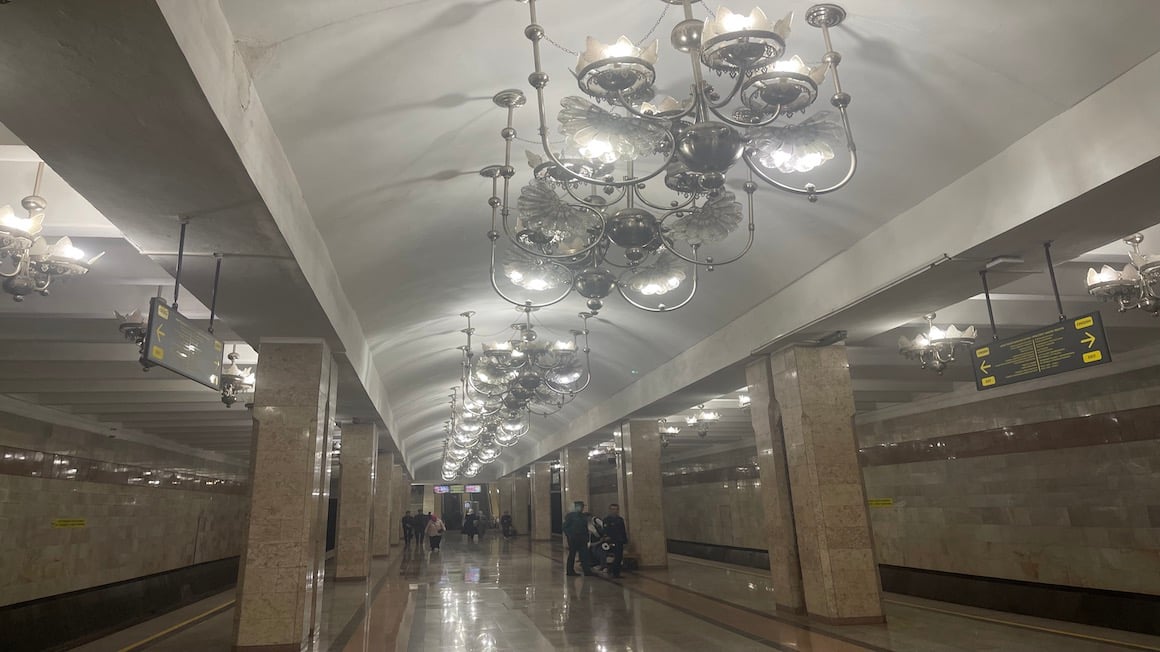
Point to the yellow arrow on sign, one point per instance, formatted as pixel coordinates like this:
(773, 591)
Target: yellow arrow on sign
(160, 333)
(984, 367)
(1090, 340)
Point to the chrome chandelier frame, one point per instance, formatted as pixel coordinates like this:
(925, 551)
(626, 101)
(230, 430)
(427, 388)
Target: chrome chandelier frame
(34, 263)
(699, 141)
(936, 348)
(503, 385)
(1136, 287)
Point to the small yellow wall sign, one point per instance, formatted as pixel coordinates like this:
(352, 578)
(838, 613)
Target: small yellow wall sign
(68, 522)
(881, 502)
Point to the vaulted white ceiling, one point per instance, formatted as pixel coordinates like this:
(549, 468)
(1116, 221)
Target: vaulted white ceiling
(384, 111)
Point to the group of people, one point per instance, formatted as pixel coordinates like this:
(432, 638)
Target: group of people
(595, 540)
(423, 525)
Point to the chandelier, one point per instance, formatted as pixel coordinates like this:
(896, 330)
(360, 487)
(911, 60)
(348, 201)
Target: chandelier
(235, 380)
(936, 348)
(525, 372)
(474, 437)
(133, 326)
(1137, 286)
(667, 432)
(702, 419)
(587, 224)
(32, 262)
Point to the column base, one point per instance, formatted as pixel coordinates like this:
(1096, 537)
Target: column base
(855, 620)
(787, 609)
(288, 647)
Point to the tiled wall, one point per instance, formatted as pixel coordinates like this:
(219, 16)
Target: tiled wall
(714, 499)
(130, 529)
(1060, 485)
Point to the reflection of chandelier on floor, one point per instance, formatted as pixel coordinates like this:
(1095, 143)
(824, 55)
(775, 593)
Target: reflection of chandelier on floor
(585, 222)
(936, 348)
(34, 262)
(1136, 287)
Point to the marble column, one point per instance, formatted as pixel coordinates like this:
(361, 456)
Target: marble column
(428, 499)
(400, 498)
(778, 523)
(642, 474)
(575, 476)
(356, 496)
(384, 507)
(541, 489)
(839, 575)
(278, 578)
(618, 439)
(521, 502)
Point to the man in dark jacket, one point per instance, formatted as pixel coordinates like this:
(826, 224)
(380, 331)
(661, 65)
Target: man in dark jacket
(616, 535)
(419, 525)
(576, 531)
(408, 528)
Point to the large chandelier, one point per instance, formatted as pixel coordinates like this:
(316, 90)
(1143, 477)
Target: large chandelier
(587, 224)
(525, 372)
(474, 436)
(33, 263)
(1135, 287)
(936, 348)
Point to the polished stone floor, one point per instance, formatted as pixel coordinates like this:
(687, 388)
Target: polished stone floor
(499, 595)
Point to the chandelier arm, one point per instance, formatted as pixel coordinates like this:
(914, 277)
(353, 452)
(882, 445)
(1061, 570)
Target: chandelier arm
(748, 244)
(806, 190)
(667, 119)
(682, 304)
(669, 209)
(507, 231)
(743, 125)
(596, 207)
(732, 94)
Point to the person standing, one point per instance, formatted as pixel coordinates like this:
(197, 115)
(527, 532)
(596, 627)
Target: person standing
(408, 528)
(616, 535)
(419, 527)
(435, 529)
(576, 531)
(471, 525)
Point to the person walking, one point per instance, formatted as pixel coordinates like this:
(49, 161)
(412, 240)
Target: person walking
(505, 524)
(616, 536)
(435, 530)
(576, 531)
(471, 525)
(419, 527)
(408, 528)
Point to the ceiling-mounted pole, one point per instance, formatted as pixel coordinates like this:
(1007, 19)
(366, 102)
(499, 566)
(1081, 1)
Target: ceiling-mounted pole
(1054, 283)
(990, 310)
(217, 273)
(180, 258)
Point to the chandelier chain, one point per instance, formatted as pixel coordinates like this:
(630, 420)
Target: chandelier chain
(660, 19)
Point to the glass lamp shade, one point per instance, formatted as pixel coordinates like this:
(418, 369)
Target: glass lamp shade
(737, 42)
(595, 52)
(467, 424)
(566, 375)
(604, 136)
(505, 438)
(799, 147)
(13, 225)
(661, 277)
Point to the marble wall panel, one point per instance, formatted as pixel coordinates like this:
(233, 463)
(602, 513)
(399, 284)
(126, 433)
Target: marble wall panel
(145, 510)
(128, 532)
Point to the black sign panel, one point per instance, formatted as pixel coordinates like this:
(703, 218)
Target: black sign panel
(180, 346)
(1065, 346)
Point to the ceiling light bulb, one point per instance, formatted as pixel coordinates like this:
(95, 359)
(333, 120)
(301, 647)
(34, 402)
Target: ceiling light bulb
(622, 48)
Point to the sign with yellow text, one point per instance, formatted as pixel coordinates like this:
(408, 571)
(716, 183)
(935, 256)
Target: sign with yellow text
(68, 522)
(881, 502)
(181, 346)
(1064, 346)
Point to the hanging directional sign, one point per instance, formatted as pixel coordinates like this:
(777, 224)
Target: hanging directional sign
(1064, 346)
(181, 346)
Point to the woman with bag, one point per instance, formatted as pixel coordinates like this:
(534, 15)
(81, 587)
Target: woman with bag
(434, 531)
